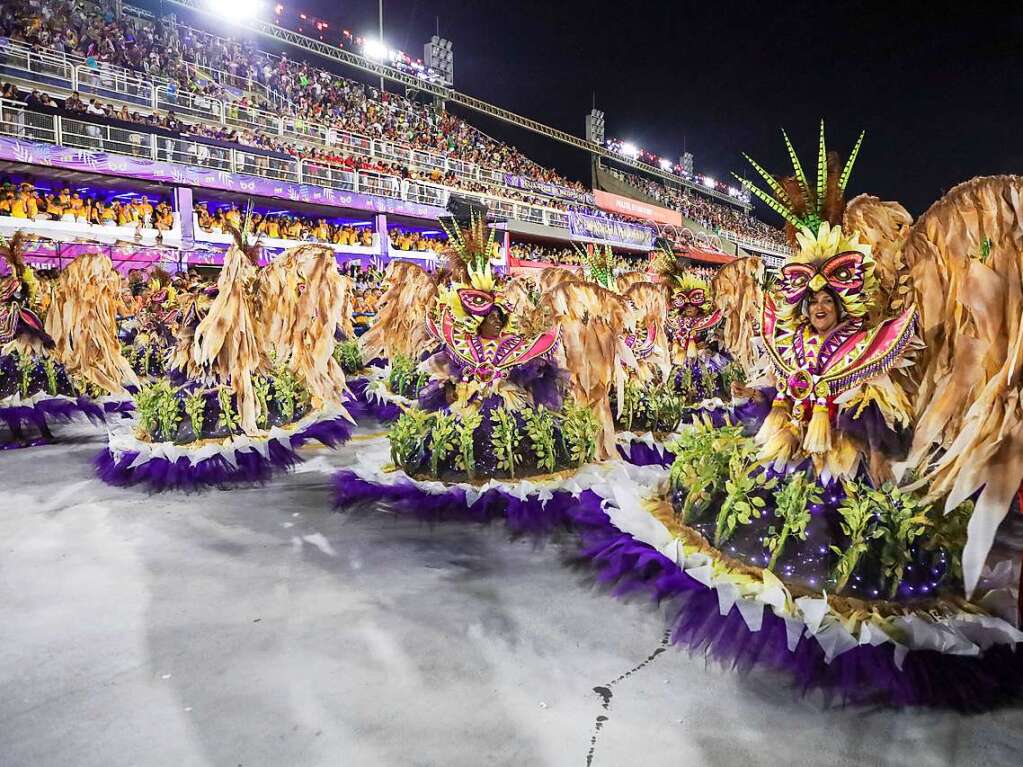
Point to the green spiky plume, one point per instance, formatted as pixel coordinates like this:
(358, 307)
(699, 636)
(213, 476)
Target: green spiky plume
(780, 202)
(600, 264)
(797, 166)
(822, 171)
(779, 191)
(847, 170)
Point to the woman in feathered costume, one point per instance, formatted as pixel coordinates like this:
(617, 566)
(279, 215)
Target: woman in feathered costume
(833, 399)
(151, 333)
(838, 573)
(698, 364)
(35, 388)
(243, 412)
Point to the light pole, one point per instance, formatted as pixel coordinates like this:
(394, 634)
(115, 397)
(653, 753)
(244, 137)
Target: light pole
(381, 17)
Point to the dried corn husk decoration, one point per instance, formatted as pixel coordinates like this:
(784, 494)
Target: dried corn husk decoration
(400, 324)
(82, 320)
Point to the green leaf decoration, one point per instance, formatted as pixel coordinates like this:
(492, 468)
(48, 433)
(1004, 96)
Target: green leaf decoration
(505, 440)
(793, 509)
(769, 201)
(859, 524)
(700, 469)
(540, 430)
(443, 435)
(228, 418)
(745, 486)
(843, 180)
(579, 429)
(195, 406)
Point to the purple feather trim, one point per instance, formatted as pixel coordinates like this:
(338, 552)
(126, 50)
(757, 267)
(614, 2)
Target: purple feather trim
(124, 408)
(641, 454)
(864, 675)
(161, 474)
(365, 407)
(522, 516)
(55, 410)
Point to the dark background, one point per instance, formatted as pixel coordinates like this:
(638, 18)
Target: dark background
(936, 86)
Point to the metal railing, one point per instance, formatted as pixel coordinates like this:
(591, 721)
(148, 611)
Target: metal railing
(70, 72)
(83, 133)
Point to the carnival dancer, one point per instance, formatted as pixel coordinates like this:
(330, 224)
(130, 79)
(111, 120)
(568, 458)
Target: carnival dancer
(251, 397)
(35, 388)
(804, 536)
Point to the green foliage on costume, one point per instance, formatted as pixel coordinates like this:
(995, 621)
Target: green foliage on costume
(579, 428)
(700, 469)
(261, 388)
(465, 460)
(744, 488)
(286, 392)
(732, 373)
(859, 525)
(947, 532)
(505, 439)
(903, 519)
(228, 419)
(656, 408)
(195, 406)
(51, 375)
(540, 429)
(405, 379)
(408, 436)
(348, 355)
(793, 510)
(26, 365)
(159, 411)
(442, 440)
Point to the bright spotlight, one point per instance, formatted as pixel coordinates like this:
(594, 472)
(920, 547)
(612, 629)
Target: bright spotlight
(630, 150)
(239, 10)
(665, 164)
(708, 181)
(374, 49)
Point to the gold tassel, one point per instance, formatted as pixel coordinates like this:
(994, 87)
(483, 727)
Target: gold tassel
(691, 351)
(818, 433)
(779, 435)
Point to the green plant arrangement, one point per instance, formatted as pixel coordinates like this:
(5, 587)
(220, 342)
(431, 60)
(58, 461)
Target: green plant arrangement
(540, 429)
(51, 375)
(505, 440)
(947, 532)
(859, 526)
(408, 436)
(465, 460)
(286, 389)
(579, 428)
(405, 378)
(26, 366)
(195, 406)
(744, 489)
(158, 410)
(228, 418)
(443, 435)
(348, 355)
(903, 519)
(700, 468)
(793, 510)
(261, 387)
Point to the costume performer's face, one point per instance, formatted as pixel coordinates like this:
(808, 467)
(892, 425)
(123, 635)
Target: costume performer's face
(690, 310)
(823, 311)
(492, 325)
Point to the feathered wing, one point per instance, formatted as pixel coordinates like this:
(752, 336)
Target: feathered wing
(965, 257)
(625, 281)
(739, 294)
(82, 320)
(649, 304)
(227, 342)
(311, 314)
(592, 321)
(885, 227)
(400, 324)
(552, 276)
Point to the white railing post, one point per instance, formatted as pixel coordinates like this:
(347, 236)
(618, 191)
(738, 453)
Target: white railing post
(58, 130)
(298, 171)
(153, 154)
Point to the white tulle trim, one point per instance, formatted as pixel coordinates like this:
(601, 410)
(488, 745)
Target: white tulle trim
(961, 633)
(122, 440)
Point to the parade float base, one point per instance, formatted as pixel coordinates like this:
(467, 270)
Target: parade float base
(256, 626)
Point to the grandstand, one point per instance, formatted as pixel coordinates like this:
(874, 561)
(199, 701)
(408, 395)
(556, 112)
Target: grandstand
(171, 104)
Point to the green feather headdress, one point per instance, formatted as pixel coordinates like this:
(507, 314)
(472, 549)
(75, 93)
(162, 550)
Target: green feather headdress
(801, 205)
(472, 245)
(599, 264)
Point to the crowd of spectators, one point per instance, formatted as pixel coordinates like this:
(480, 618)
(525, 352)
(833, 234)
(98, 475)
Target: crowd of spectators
(421, 242)
(201, 64)
(569, 256)
(281, 226)
(704, 211)
(28, 201)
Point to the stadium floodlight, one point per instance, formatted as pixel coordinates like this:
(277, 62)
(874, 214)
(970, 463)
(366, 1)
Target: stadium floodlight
(665, 164)
(374, 50)
(238, 10)
(709, 182)
(630, 150)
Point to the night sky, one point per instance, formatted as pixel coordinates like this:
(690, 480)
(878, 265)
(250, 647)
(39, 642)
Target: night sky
(938, 91)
